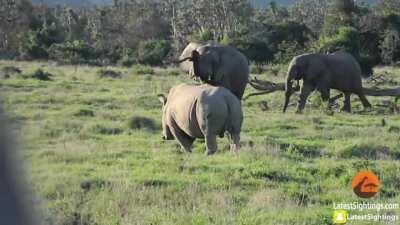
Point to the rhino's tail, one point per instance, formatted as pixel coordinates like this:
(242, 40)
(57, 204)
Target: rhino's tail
(234, 120)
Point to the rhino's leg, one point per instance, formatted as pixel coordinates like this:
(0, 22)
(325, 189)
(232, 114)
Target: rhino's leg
(211, 143)
(184, 140)
(235, 142)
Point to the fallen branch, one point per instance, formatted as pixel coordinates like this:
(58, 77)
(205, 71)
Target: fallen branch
(267, 87)
(395, 92)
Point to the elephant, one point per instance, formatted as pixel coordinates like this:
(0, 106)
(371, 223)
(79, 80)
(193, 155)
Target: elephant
(323, 72)
(203, 111)
(218, 65)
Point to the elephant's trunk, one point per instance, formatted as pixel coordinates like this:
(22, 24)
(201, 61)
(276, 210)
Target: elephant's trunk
(288, 93)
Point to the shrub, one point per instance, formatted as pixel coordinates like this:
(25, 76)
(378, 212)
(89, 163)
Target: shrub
(72, 52)
(347, 39)
(152, 52)
(142, 69)
(127, 58)
(107, 73)
(139, 123)
(39, 74)
(31, 47)
(8, 71)
(390, 46)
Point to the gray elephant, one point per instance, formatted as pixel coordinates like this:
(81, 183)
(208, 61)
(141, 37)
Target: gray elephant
(201, 111)
(218, 65)
(323, 72)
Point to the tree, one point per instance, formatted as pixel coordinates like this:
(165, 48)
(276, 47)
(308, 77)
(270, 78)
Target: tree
(15, 18)
(390, 46)
(341, 14)
(312, 13)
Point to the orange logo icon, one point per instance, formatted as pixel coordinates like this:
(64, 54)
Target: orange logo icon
(365, 184)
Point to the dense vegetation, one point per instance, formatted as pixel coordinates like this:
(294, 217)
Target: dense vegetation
(96, 156)
(154, 32)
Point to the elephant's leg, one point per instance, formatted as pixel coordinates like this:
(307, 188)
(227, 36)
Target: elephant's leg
(347, 104)
(364, 100)
(305, 92)
(184, 140)
(211, 144)
(325, 93)
(235, 143)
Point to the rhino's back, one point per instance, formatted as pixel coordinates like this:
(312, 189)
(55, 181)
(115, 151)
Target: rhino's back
(182, 105)
(193, 107)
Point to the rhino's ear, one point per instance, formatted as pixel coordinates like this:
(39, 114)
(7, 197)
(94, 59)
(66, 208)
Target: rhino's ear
(162, 99)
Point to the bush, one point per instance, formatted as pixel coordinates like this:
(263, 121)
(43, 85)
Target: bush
(107, 73)
(32, 48)
(152, 52)
(390, 46)
(9, 71)
(142, 70)
(139, 123)
(39, 74)
(127, 58)
(347, 39)
(72, 52)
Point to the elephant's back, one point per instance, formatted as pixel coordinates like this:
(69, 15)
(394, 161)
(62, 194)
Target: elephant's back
(346, 61)
(347, 71)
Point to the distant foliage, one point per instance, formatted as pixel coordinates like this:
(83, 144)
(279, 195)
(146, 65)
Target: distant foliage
(72, 52)
(152, 52)
(390, 46)
(130, 32)
(346, 39)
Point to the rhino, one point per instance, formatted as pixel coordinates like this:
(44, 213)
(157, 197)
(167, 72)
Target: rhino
(201, 111)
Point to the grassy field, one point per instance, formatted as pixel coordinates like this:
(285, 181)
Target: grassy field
(93, 159)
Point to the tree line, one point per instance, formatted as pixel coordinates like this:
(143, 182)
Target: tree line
(155, 31)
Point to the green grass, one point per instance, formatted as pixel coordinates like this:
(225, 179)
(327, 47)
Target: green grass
(91, 163)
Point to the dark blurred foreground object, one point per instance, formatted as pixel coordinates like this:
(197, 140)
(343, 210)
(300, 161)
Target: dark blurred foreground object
(15, 207)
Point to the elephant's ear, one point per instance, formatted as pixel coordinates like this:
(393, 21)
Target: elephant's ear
(216, 64)
(162, 99)
(195, 56)
(298, 72)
